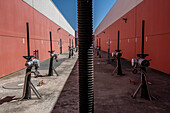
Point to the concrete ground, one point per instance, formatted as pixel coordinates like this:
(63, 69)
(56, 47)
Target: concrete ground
(68, 101)
(112, 93)
(11, 88)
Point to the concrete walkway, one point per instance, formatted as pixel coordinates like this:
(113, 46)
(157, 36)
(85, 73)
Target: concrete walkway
(11, 88)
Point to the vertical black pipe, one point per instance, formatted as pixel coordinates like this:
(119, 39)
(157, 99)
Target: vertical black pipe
(69, 49)
(28, 42)
(37, 54)
(99, 48)
(119, 70)
(97, 43)
(86, 101)
(143, 32)
(50, 73)
(60, 46)
(51, 43)
(109, 50)
(69, 42)
(27, 94)
(118, 40)
(72, 53)
(28, 89)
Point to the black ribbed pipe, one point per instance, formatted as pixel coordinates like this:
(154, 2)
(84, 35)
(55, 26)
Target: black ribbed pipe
(86, 94)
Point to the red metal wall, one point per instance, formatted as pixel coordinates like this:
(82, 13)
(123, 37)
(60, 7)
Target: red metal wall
(157, 33)
(13, 17)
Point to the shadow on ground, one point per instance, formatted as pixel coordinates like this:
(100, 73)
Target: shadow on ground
(112, 93)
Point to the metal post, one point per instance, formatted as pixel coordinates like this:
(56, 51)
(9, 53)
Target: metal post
(37, 54)
(72, 48)
(97, 43)
(119, 71)
(143, 32)
(86, 102)
(60, 46)
(99, 49)
(50, 73)
(119, 68)
(118, 41)
(28, 41)
(51, 43)
(69, 47)
(27, 94)
(144, 88)
(109, 50)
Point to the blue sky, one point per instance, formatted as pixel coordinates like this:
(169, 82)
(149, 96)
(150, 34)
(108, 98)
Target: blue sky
(69, 10)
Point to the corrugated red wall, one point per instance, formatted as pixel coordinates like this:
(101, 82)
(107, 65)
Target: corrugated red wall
(157, 33)
(13, 17)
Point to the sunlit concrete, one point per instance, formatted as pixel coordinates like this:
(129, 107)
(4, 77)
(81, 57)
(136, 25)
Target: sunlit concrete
(11, 88)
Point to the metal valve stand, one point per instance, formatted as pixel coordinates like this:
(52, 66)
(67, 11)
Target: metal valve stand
(72, 52)
(51, 66)
(118, 68)
(27, 83)
(99, 49)
(70, 49)
(145, 92)
(108, 51)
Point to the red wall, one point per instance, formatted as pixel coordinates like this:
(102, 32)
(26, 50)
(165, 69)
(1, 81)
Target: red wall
(13, 17)
(157, 32)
